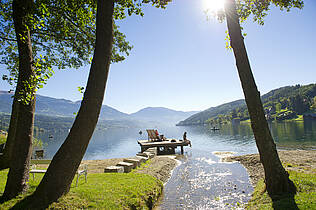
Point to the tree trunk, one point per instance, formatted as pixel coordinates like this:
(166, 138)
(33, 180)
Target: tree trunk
(276, 178)
(6, 157)
(22, 126)
(60, 173)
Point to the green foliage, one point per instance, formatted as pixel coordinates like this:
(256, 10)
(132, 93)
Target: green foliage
(279, 104)
(102, 191)
(3, 138)
(305, 197)
(259, 8)
(62, 36)
(313, 106)
(36, 143)
(299, 104)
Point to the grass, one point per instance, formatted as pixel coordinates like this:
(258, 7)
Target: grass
(3, 138)
(102, 191)
(305, 197)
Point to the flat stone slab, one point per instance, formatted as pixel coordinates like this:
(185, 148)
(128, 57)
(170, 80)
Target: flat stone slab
(150, 154)
(152, 150)
(136, 162)
(144, 154)
(142, 159)
(114, 169)
(127, 166)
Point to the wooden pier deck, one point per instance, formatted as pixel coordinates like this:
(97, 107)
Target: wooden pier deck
(166, 144)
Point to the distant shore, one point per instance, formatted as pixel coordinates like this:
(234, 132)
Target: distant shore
(298, 160)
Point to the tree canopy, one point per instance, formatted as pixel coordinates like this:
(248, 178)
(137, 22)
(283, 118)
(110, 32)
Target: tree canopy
(62, 35)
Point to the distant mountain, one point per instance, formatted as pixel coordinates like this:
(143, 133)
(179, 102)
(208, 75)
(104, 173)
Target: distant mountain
(202, 117)
(161, 114)
(279, 104)
(58, 107)
(49, 106)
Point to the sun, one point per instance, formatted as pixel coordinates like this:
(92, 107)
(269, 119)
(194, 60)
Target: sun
(213, 5)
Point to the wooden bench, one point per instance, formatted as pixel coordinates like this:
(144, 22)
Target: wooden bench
(83, 171)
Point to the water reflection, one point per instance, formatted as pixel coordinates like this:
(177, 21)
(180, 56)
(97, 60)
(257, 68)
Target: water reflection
(122, 142)
(203, 182)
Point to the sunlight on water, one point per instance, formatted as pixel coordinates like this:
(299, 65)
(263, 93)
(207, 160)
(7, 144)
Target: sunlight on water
(203, 182)
(209, 161)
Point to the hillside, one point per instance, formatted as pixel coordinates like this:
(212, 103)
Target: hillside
(279, 104)
(202, 117)
(161, 114)
(58, 114)
(58, 107)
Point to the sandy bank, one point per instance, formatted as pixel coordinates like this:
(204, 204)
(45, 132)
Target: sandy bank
(159, 166)
(299, 160)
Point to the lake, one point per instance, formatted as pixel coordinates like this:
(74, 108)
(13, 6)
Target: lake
(201, 181)
(123, 142)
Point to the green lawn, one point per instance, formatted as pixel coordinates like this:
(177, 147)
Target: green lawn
(3, 138)
(102, 191)
(305, 197)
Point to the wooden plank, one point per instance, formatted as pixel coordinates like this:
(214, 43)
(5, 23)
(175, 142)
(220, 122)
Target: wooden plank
(145, 144)
(163, 143)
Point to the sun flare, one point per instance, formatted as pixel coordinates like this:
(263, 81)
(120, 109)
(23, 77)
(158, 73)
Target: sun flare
(213, 5)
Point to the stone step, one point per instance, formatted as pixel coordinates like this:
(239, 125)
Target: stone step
(146, 154)
(135, 161)
(114, 169)
(127, 166)
(152, 150)
(142, 159)
(150, 154)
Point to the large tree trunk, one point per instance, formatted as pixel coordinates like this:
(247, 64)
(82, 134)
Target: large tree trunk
(6, 157)
(276, 178)
(60, 173)
(22, 126)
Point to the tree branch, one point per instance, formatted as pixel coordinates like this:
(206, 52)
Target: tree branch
(8, 39)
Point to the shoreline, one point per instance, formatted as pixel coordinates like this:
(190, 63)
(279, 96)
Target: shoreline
(295, 160)
(160, 167)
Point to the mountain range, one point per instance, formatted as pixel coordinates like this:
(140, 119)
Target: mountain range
(49, 106)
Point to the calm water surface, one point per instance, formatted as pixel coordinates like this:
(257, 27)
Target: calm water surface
(201, 181)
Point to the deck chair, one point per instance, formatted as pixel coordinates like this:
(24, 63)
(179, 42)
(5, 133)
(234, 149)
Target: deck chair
(152, 136)
(82, 170)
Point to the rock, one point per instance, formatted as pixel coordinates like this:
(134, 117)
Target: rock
(146, 154)
(114, 169)
(127, 166)
(150, 154)
(135, 162)
(152, 150)
(142, 159)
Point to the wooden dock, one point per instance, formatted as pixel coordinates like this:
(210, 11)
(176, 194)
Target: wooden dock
(167, 145)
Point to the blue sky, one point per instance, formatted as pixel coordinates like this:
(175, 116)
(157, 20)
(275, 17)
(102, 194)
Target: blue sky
(179, 59)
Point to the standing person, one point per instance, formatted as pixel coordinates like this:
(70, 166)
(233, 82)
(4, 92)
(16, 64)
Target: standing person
(185, 138)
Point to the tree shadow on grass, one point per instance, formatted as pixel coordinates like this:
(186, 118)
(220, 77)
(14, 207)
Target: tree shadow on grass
(285, 202)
